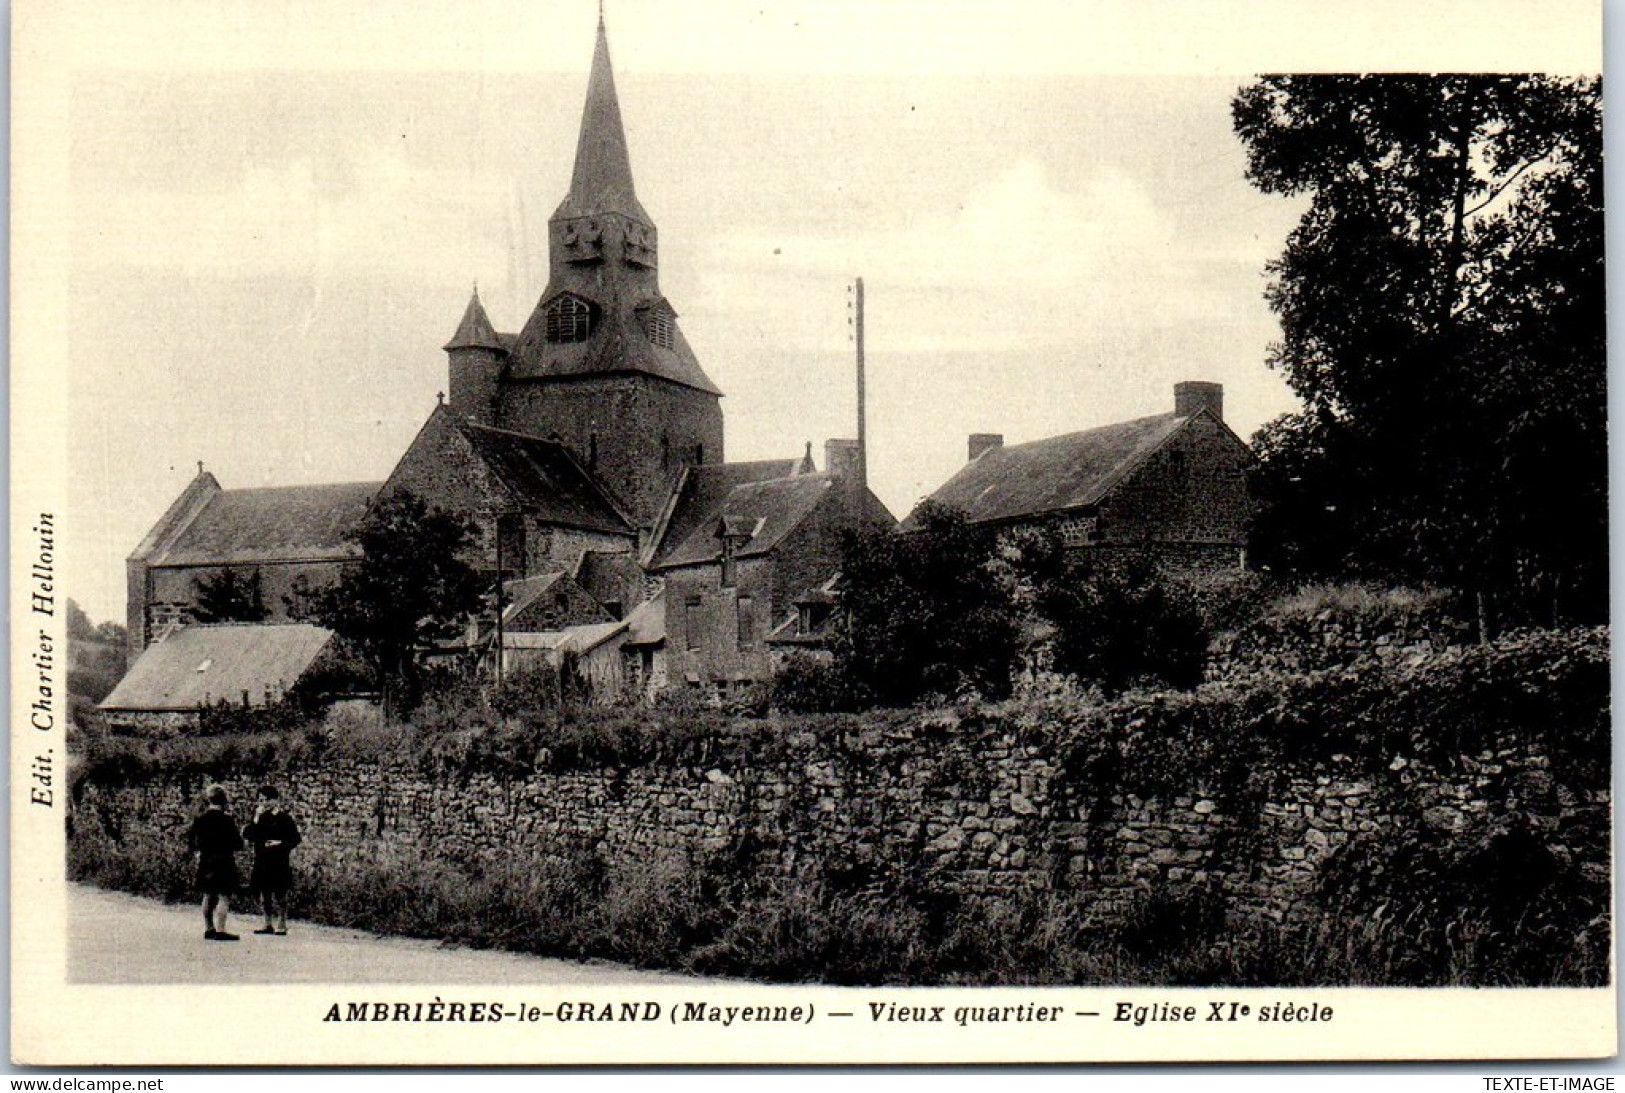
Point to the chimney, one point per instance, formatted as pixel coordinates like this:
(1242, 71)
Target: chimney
(841, 458)
(984, 442)
(1193, 396)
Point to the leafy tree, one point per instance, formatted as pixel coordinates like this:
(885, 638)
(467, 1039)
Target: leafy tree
(79, 625)
(410, 590)
(1441, 306)
(927, 612)
(1123, 625)
(96, 661)
(230, 595)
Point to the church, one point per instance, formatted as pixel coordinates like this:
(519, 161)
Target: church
(588, 448)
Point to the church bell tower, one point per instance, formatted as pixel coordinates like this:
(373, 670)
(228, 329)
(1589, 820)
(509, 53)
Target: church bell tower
(601, 363)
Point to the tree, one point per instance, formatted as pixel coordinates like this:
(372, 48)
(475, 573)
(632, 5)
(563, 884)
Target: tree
(1441, 306)
(410, 590)
(230, 595)
(1123, 625)
(80, 627)
(927, 612)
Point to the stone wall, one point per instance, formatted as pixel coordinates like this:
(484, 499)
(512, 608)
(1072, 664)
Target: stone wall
(945, 805)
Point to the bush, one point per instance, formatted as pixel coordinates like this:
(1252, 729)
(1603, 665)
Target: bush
(1121, 626)
(806, 684)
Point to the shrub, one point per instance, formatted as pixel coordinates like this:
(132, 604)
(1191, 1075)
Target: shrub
(1118, 626)
(806, 684)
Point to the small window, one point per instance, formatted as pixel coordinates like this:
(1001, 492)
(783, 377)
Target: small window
(657, 326)
(747, 623)
(699, 454)
(729, 567)
(568, 319)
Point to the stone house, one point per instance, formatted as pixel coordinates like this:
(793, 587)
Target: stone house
(536, 508)
(735, 556)
(1171, 487)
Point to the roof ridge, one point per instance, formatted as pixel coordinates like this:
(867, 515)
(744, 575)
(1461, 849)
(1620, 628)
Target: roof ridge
(1059, 437)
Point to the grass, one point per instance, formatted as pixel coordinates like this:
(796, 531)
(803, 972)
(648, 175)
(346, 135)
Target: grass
(711, 917)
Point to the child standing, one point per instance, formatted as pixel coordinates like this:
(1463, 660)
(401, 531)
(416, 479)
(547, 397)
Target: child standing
(215, 839)
(274, 835)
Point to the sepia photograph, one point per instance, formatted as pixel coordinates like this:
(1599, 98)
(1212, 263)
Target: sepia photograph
(603, 531)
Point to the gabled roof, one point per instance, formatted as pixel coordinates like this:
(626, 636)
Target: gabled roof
(277, 524)
(524, 592)
(770, 510)
(1055, 474)
(699, 497)
(545, 478)
(646, 625)
(202, 665)
(602, 181)
(575, 639)
(475, 331)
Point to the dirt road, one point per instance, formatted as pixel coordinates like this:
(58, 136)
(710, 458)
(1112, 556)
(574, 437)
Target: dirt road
(115, 938)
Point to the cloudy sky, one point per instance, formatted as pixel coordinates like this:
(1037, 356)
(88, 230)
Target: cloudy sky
(272, 215)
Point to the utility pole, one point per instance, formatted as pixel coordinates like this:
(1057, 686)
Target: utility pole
(857, 337)
(499, 603)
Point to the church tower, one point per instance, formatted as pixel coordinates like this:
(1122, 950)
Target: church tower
(601, 363)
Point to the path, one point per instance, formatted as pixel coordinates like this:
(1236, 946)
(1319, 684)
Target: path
(117, 938)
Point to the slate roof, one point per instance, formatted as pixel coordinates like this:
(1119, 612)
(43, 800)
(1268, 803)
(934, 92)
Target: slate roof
(617, 345)
(475, 331)
(525, 591)
(545, 478)
(602, 180)
(206, 664)
(700, 495)
(1055, 474)
(282, 524)
(646, 625)
(770, 510)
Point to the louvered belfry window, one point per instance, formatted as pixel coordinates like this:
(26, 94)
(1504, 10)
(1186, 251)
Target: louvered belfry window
(569, 319)
(657, 326)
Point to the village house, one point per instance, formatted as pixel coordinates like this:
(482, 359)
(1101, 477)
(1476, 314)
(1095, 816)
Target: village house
(1171, 487)
(276, 539)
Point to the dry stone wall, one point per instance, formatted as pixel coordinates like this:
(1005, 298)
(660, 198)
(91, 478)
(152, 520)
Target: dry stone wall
(952, 809)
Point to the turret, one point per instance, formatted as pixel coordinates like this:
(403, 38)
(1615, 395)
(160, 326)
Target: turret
(475, 360)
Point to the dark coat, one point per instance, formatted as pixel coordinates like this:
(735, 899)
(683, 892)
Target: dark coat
(214, 836)
(272, 871)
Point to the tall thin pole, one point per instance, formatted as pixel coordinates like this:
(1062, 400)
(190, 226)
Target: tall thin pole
(499, 601)
(863, 438)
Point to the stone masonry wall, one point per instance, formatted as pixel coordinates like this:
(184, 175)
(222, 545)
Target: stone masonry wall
(973, 813)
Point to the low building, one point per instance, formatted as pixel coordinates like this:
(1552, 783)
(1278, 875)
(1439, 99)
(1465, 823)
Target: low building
(1172, 487)
(249, 665)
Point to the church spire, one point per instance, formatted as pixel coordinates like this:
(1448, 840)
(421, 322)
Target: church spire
(602, 182)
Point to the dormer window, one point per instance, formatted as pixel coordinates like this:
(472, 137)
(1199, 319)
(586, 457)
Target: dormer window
(567, 319)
